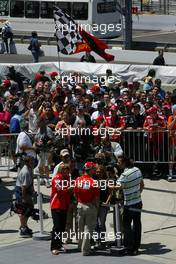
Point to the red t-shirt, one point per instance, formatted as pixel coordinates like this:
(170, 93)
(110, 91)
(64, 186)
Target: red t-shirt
(155, 133)
(86, 189)
(60, 193)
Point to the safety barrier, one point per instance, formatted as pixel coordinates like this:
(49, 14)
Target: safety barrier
(7, 150)
(147, 147)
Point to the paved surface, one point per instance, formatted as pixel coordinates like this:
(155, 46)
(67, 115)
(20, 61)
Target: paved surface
(155, 36)
(158, 238)
(37, 252)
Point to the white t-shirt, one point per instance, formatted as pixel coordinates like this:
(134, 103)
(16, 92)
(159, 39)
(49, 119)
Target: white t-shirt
(32, 121)
(24, 139)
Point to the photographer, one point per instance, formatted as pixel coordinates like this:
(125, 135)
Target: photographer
(43, 143)
(23, 193)
(24, 143)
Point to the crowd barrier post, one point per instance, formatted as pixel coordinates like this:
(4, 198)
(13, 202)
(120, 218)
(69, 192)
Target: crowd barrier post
(41, 235)
(118, 248)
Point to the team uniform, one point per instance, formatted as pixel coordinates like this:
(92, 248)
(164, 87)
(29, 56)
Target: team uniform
(86, 193)
(59, 202)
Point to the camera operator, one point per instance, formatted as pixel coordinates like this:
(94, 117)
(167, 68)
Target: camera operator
(43, 143)
(24, 143)
(110, 149)
(23, 193)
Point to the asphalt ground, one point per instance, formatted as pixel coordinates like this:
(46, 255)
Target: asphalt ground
(37, 252)
(158, 230)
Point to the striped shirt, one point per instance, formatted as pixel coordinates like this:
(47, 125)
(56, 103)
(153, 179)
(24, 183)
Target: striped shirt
(130, 181)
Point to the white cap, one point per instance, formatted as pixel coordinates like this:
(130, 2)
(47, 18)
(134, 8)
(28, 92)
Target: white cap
(136, 79)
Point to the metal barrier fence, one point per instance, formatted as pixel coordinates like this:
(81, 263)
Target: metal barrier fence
(7, 149)
(164, 7)
(147, 147)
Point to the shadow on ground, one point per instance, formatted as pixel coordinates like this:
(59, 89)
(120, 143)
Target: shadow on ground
(8, 231)
(6, 198)
(154, 249)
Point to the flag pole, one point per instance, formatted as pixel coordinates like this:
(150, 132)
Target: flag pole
(59, 62)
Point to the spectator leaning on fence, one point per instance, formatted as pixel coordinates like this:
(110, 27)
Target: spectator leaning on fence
(155, 124)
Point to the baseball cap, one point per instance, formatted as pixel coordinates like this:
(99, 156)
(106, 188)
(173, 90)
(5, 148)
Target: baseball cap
(64, 152)
(89, 165)
(166, 107)
(136, 79)
(114, 108)
(173, 108)
(6, 83)
(95, 88)
(53, 74)
(152, 110)
(129, 104)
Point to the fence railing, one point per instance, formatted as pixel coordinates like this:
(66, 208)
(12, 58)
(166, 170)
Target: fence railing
(148, 147)
(165, 7)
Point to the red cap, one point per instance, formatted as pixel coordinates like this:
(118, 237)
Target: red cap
(53, 74)
(152, 109)
(129, 104)
(95, 88)
(167, 107)
(38, 77)
(6, 83)
(89, 165)
(114, 108)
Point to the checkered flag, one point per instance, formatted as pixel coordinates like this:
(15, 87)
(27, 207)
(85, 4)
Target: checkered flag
(66, 32)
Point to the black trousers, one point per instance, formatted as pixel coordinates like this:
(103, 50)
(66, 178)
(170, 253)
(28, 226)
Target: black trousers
(132, 233)
(59, 224)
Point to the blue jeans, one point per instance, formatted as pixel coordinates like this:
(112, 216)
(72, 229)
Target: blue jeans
(101, 222)
(35, 55)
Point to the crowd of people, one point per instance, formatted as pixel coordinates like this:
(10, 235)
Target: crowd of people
(98, 113)
(74, 130)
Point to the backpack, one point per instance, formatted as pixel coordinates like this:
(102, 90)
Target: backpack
(8, 32)
(34, 45)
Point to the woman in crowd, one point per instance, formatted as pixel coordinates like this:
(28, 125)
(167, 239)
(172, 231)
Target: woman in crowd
(60, 203)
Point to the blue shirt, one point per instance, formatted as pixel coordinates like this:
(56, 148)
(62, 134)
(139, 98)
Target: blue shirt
(15, 124)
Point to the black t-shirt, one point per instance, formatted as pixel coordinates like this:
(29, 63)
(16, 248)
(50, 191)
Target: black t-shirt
(89, 58)
(159, 60)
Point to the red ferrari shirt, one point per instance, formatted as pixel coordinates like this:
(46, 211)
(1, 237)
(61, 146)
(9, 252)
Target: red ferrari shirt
(60, 193)
(86, 189)
(155, 131)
